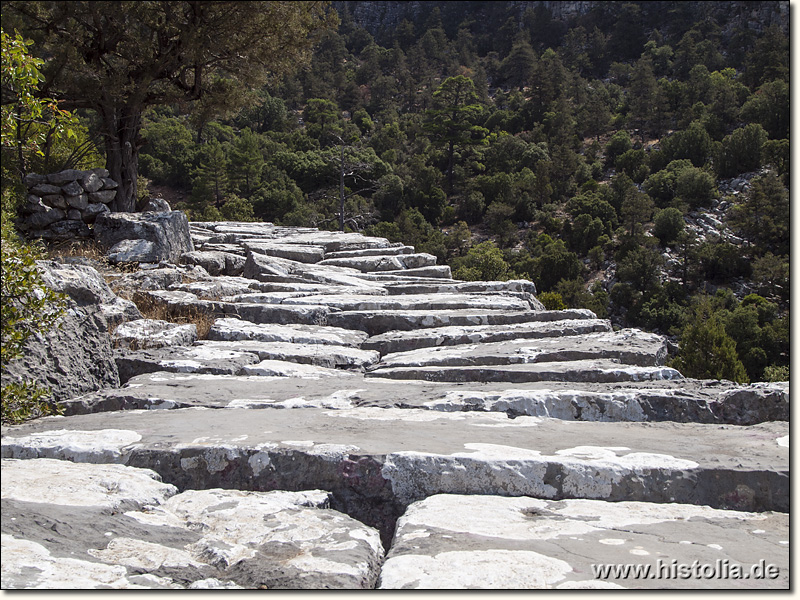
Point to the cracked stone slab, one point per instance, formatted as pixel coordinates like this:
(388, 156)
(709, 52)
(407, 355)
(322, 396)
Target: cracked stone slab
(592, 371)
(183, 359)
(329, 355)
(62, 531)
(375, 461)
(629, 346)
(401, 341)
(235, 330)
(297, 252)
(527, 543)
(431, 302)
(154, 333)
(682, 400)
(393, 262)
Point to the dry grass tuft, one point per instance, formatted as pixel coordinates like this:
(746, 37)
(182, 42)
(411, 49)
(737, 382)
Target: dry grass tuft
(152, 308)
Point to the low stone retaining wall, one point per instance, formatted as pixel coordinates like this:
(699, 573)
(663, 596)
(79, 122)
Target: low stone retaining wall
(62, 205)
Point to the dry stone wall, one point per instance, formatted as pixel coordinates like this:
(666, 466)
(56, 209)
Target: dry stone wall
(63, 205)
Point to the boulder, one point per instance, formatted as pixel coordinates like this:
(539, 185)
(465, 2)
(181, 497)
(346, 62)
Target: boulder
(64, 177)
(216, 263)
(168, 234)
(156, 205)
(79, 201)
(90, 213)
(104, 196)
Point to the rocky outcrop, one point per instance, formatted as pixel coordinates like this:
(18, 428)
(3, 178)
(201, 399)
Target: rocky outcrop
(61, 206)
(484, 440)
(76, 356)
(149, 237)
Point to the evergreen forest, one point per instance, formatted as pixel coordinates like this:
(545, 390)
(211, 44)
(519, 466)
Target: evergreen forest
(632, 159)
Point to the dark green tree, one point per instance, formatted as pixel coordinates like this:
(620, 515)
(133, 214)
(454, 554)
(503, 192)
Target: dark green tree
(118, 58)
(452, 120)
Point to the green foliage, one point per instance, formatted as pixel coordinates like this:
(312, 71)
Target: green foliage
(763, 216)
(707, 351)
(741, 151)
(667, 225)
(552, 301)
(483, 262)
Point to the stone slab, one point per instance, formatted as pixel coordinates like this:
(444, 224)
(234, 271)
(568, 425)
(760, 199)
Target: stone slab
(235, 329)
(628, 346)
(592, 371)
(329, 356)
(527, 543)
(376, 461)
(401, 341)
(76, 526)
(182, 359)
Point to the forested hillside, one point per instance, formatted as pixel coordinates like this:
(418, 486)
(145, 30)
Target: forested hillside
(632, 159)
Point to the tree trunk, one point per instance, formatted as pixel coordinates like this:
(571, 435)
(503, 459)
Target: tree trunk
(121, 128)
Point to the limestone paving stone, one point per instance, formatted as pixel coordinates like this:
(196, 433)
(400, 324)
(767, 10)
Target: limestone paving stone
(527, 543)
(629, 346)
(74, 526)
(682, 400)
(401, 341)
(593, 371)
(182, 359)
(379, 460)
(154, 333)
(235, 329)
(329, 356)
(392, 262)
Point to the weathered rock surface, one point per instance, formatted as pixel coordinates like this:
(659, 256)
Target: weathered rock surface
(153, 333)
(513, 543)
(76, 356)
(74, 526)
(167, 234)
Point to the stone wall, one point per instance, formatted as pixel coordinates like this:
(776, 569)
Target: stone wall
(63, 205)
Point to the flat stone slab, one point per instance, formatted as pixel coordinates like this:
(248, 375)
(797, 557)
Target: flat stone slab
(376, 461)
(282, 368)
(493, 542)
(593, 371)
(401, 341)
(183, 359)
(395, 249)
(356, 302)
(329, 356)
(393, 262)
(236, 330)
(68, 526)
(629, 346)
(297, 252)
(153, 333)
(683, 400)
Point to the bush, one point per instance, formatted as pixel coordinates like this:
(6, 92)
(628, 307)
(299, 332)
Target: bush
(667, 225)
(28, 307)
(552, 301)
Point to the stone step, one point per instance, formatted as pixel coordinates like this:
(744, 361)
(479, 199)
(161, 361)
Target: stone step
(76, 526)
(684, 400)
(327, 355)
(590, 371)
(382, 263)
(229, 330)
(462, 287)
(390, 251)
(304, 253)
(492, 542)
(629, 346)
(494, 328)
(377, 461)
(432, 272)
(377, 301)
(182, 359)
